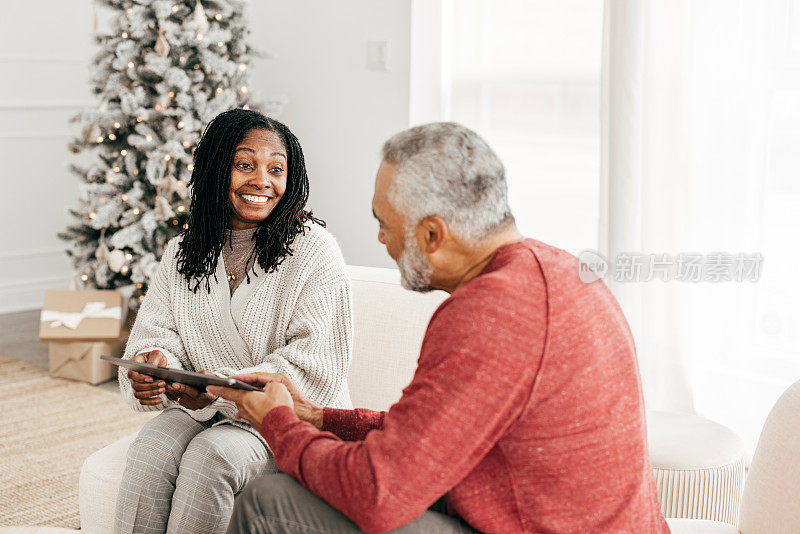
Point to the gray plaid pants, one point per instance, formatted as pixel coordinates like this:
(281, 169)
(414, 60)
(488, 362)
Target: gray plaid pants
(181, 475)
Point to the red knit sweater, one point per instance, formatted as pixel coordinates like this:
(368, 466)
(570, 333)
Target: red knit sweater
(525, 412)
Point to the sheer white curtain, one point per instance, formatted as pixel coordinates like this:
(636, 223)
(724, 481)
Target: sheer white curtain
(526, 76)
(700, 115)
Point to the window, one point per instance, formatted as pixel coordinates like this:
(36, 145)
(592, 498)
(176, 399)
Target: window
(526, 76)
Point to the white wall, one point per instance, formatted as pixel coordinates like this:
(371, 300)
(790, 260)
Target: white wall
(45, 48)
(341, 112)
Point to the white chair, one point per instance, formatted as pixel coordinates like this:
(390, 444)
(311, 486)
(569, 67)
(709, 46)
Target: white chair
(772, 488)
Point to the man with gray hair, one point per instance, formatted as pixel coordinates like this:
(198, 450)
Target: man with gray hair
(525, 413)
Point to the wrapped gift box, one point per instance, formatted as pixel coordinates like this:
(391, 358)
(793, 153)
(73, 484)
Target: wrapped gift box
(80, 326)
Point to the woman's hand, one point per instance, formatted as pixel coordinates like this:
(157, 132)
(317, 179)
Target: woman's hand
(146, 388)
(254, 405)
(304, 408)
(189, 397)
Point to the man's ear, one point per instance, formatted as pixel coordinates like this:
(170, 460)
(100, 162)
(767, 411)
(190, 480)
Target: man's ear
(432, 233)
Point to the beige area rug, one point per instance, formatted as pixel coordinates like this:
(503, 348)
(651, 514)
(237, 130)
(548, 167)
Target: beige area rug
(48, 428)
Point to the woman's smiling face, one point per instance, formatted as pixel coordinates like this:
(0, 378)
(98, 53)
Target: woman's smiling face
(258, 178)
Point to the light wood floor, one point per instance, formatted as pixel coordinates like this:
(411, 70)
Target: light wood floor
(19, 339)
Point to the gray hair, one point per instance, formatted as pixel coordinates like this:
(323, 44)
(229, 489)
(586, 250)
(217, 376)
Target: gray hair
(446, 169)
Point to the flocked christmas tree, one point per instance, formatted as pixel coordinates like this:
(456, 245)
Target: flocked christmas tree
(166, 69)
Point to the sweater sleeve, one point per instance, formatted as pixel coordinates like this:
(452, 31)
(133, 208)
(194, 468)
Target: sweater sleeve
(467, 391)
(155, 329)
(351, 425)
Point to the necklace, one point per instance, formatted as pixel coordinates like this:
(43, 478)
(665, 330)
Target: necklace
(234, 269)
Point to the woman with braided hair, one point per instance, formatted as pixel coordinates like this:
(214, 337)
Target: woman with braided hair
(255, 283)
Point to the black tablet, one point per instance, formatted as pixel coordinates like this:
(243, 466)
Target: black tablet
(198, 381)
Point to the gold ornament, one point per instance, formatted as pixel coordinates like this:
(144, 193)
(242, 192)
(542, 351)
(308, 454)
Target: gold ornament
(101, 253)
(163, 210)
(162, 46)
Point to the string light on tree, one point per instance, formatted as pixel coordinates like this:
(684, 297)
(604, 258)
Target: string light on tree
(136, 122)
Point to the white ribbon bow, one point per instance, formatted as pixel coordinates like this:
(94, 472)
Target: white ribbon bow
(92, 310)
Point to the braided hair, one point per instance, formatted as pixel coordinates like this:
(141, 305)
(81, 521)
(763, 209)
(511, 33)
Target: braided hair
(210, 213)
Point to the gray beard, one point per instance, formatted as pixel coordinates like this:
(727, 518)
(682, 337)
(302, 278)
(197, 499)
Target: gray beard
(415, 271)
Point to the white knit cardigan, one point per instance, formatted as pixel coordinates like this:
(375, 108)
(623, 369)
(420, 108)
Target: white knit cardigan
(296, 320)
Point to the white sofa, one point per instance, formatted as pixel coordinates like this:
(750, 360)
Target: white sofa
(772, 488)
(388, 326)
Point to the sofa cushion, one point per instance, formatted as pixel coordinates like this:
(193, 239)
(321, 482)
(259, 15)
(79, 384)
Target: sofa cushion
(388, 325)
(99, 484)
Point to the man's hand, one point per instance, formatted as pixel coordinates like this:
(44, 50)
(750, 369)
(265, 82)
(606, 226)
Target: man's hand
(254, 405)
(304, 408)
(146, 388)
(189, 397)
